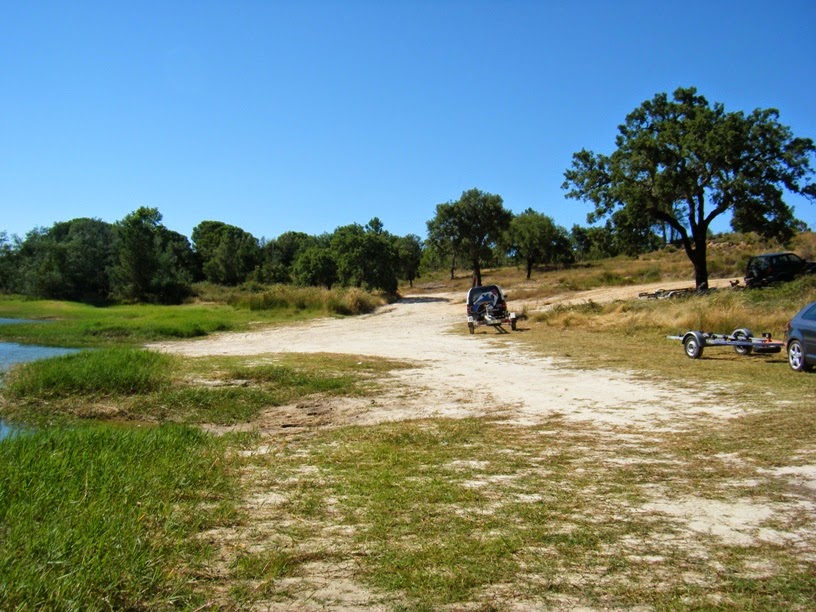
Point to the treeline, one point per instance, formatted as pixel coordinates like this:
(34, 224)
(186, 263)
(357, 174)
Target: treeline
(138, 259)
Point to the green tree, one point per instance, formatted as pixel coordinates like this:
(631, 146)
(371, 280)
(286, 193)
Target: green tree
(365, 257)
(590, 243)
(152, 261)
(279, 255)
(227, 253)
(409, 256)
(471, 227)
(534, 238)
(684, 162)
(315, 266)
(8, 262)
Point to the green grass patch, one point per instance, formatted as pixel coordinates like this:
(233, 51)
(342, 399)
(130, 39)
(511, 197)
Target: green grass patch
(71, 324)
(137, 384)
(96, 372)
(100, 517)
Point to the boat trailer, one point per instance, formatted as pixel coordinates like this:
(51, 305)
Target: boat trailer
(742, 340)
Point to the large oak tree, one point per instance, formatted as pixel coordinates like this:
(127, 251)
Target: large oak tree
(684, 162)
(470, 227)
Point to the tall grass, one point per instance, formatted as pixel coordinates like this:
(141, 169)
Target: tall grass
(98, 372)
(104, 518)
(761, 310)
(343, 301)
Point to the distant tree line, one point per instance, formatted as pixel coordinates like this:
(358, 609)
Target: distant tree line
(680, 162)
(138, 259)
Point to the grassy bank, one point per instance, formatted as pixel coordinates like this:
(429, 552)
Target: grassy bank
(139, 385)
(218, 309)
(95, 517)
(114, 516)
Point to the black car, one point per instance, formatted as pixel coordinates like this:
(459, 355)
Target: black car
(801, 339)
(770, 268)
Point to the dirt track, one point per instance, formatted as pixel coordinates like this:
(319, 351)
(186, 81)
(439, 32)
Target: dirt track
(489, 374)
(457, 374)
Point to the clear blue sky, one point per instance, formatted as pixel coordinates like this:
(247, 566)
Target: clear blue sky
(308, 115)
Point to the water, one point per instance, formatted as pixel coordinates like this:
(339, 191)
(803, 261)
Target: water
(12, 353)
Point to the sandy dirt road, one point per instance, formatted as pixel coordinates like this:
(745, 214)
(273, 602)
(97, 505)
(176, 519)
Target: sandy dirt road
(459, 375)
(455, 374)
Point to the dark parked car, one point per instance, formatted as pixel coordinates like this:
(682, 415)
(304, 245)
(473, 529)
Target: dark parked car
(801, 339)
(776, 267)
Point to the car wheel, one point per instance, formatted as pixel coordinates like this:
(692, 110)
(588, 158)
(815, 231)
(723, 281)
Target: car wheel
(796, 357)
(742, 334)
(693, 345)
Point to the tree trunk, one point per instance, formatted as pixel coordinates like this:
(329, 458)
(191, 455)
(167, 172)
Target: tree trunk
(529, 268)
(699, 260)
(453, 266)
(477, 274)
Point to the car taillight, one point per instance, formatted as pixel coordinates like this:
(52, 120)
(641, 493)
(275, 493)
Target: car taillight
(788, 328)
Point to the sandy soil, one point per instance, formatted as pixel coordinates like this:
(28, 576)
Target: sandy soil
(461, 375)
(456, 374)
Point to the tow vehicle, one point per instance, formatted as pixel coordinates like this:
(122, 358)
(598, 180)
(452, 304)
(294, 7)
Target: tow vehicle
(487, 305)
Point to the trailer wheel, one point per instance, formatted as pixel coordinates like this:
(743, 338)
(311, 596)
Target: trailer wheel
(471, 327)
(693, 345)
(743, 334)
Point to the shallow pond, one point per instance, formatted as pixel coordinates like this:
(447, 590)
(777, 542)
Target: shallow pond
(12, 353)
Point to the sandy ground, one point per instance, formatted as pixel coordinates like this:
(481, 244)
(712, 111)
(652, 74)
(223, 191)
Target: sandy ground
(456, 374)
(463, 375)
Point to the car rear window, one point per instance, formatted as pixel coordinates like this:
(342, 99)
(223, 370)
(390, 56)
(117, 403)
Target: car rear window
(810, 313)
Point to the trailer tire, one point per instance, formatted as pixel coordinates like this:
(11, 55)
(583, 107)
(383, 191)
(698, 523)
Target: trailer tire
(471, 327)
(743, 334)
(513, 324)
(693, 343)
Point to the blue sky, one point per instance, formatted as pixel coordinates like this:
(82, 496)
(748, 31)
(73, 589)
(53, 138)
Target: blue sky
(277, 116)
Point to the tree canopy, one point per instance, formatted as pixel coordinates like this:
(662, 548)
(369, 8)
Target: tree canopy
(534, 238)
(684, 162)
(471, 227)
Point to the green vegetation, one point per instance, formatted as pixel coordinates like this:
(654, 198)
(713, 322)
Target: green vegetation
(72, 324)
(98, 373)
(140, 385)
(471, 513)
(95, 517)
